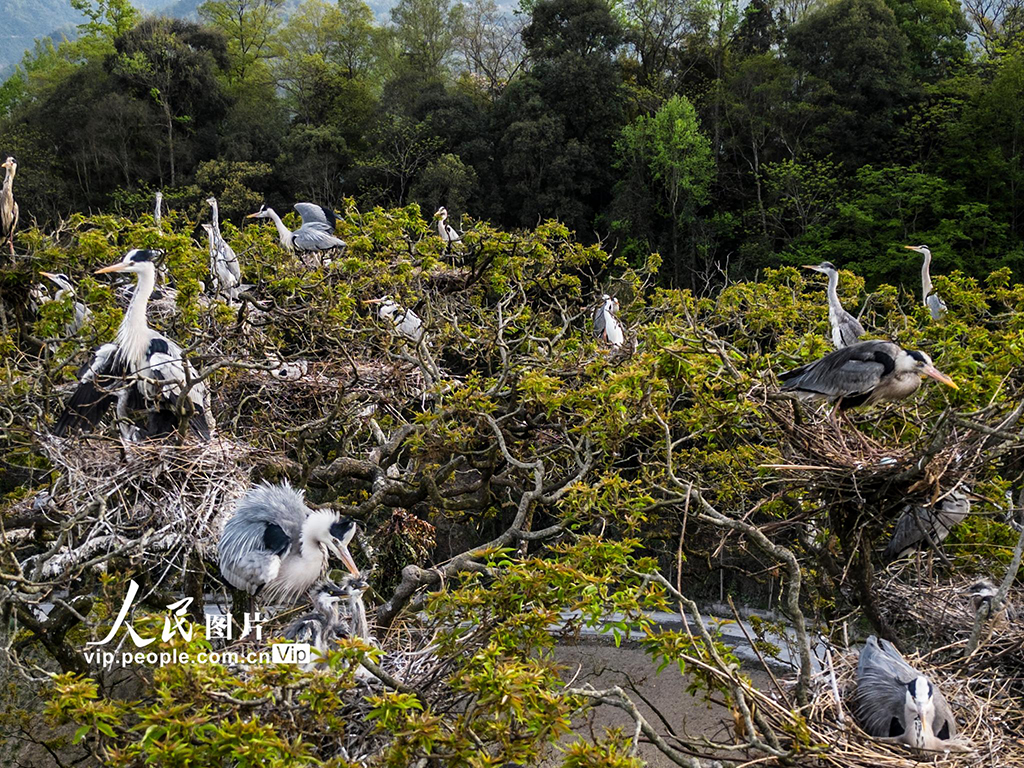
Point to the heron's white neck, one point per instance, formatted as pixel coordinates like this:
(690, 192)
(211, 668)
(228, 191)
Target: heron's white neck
(216, 218)
(283, 232)
(133, 334)
(833, 291)
(926, 277)
(9, 178)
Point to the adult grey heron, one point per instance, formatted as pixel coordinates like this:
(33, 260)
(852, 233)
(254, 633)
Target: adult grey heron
(936, 306)
(846, 329)
(403, 321)
(606, 325)
(983, 592)
(447, 233)
(338, 611)
(157, 209)
(224, 268)
(919, 524)
(895, 701)
(865, 373)
(315, 234)
(67, 288)
(140, 369)
(275, 545)
(8, 207)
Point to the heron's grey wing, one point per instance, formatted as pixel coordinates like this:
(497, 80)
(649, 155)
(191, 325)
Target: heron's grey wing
(907, 535)
(267, 523)
(848, 372)
(881, 689)
(312, 213)
(599, 322)
(850, 330)
(170, 375)
(95, 392)
(311, 238)
(936, 306)
(308, 628)
(944, 724)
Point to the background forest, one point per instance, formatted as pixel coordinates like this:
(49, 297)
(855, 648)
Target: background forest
(717, 133)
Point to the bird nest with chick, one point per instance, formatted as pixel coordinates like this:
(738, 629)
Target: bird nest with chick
(988, 719)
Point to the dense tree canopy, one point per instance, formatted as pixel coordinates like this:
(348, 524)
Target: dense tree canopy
(840, 129)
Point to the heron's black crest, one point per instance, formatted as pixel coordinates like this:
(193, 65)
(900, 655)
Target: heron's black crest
(144, 254)
(344, 529)
(828, 265)
(921, 357)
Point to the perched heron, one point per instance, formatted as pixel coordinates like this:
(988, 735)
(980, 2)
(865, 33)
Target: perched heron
(157, 210)
(277, 546)
(404, 321)
(983, 592)
(315, 234)
(894, 700)
(606, 324)
(918, 525)
(8, 208)
(846, 329)
(866, 373)
(936, 306)
(65, 288)
(339, 611)
(152, 364)
(447, 233)
(227, 276)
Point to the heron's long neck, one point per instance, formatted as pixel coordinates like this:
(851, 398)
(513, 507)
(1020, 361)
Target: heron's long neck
(9, 180)
(216, 219)
(283, 232)
(133, 335)
(926, 277)
(159, 205)
(833, 292)
(360, 626)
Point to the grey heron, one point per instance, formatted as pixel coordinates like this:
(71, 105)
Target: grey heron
(8, 207)
(141, 368)
(846, 329)
(315, 234)
(157, 209)
(983, 592)
(919, 524)
(447, 233)
(327, 622)
(66, 288)
(606, 325)
(403, 321)
(865, 373)
(936, 306)
(277, 546)
(224, 268)
(895, 701)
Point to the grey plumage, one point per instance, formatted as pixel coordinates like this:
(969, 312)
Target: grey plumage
(893, 700)
(864, 373)
(932, 300)
(141, 369)
(276, 545)
(405, 322)
(846, 329)
(338, 612)
(65, 289)
(607, 326)
(936, 521)
(315, 234)
(983, 592)
(224, 266)
(8, 206)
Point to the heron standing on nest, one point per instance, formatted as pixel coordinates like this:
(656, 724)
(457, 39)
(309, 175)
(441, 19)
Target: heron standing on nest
(895, 701)
(277, 547)
(140, 369)
(865, 373)
(846, 329)
(403, 321)
(446, 231)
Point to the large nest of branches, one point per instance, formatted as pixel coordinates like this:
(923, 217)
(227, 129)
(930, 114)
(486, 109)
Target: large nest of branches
(987, 716)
